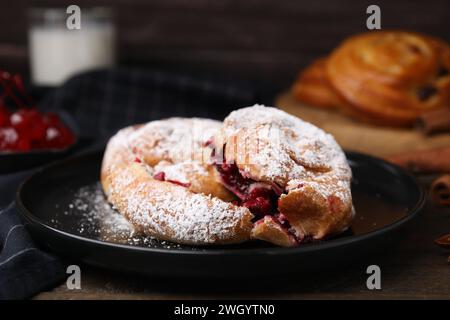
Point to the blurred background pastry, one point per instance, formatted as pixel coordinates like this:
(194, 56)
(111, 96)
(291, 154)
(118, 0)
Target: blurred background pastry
(313, 86)
(387, 77)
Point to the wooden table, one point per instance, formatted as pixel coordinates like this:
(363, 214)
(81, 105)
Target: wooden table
(415, 268)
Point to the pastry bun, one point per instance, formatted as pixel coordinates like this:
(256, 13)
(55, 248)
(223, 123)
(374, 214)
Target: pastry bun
(305, 169)
(262, 174)
(158, 176)
(382, 77)
(313, 87)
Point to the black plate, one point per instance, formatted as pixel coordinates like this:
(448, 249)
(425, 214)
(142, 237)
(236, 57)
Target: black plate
(16, 161)
(60, 204)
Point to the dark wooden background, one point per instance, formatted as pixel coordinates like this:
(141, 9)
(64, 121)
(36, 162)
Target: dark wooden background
(258, 38)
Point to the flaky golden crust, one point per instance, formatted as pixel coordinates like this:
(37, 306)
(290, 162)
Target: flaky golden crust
(187, 206)
(318, 214)
(267, 229)
(313, 87)
(162, 177)
(270, 146)
(391, 77)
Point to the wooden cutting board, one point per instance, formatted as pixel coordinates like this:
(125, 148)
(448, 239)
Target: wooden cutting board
(357, 136)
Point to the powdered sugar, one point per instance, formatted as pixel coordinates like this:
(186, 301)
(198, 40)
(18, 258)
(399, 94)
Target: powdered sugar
(278, 148)
(175, 139)
(178, 214)
(282, 148)
(97, 219)
(177, 148)
(181, 172)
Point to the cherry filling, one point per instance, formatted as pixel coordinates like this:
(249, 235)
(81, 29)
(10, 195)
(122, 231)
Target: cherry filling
(259, 198)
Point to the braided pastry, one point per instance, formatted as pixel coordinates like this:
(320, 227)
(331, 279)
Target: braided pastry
(263, 174)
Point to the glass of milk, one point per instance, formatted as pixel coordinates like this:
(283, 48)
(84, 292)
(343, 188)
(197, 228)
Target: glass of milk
(57, 52)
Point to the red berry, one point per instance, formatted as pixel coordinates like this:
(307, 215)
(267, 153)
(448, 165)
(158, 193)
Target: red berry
(52, 134)
(8, 138)
(3, 142)
(4, 117)
(18, 82)
(259, 206)
(33, 130)
(19, 120)
(161, 176)
(52, 119)
(66, 137)
(37, 132)
(23, 144)
(260, 192)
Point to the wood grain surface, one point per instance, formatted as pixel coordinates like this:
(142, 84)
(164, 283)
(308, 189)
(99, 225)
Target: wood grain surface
(354, 135)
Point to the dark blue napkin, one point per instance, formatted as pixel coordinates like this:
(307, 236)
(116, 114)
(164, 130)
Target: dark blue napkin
(102, 102)
(24, 268)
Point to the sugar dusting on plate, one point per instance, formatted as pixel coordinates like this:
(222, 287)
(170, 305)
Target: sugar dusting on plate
(97, 219)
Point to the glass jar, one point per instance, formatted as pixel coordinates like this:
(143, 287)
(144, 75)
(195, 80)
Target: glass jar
(57, 52)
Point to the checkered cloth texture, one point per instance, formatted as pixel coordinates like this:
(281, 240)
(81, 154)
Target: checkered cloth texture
(24, 269)
(107, 100)
(102, 102)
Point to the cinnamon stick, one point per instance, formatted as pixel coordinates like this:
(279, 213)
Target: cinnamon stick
(426, 161)
(435, 121)
(443, 241)
(440, 191)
